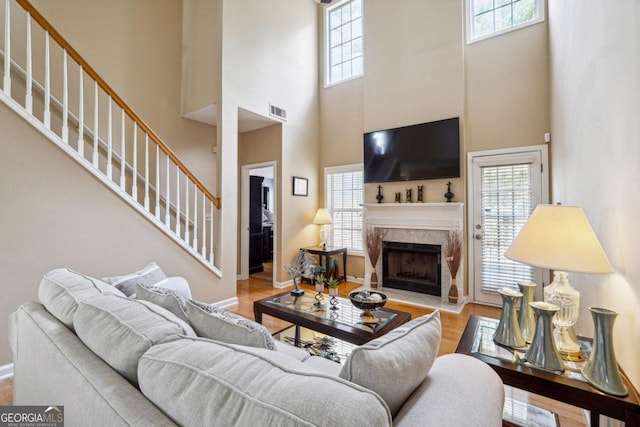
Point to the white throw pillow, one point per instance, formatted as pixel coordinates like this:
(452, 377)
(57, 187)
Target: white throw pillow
(212, 322)
(126, 283)
(62, 289)
(176, 283)
(395, 364)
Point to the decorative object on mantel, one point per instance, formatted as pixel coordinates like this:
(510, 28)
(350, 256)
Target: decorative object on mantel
(543, 352)
(408, 198)
(373, 241)
(526, 319)
(398, 197)
(560, 238)
(319, 278)
(601, 370)
(379, 197)
(332, 283)
(420, 193)
(448, 195)
(300, 263)
(508, 332)
(453, 256)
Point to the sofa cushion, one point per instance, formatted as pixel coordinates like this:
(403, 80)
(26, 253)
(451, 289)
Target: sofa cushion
(213, 383)
(165, 298)
(62, 289)
(395, 364)
(126, 283)
(120, 330)
(212, 322)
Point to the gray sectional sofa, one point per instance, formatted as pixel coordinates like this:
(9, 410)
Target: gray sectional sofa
(115, 360)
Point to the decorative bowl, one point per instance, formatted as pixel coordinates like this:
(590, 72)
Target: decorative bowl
(368, 301)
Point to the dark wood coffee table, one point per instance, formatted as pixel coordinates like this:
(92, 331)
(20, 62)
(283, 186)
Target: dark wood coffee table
(344, 323)
(568, 387)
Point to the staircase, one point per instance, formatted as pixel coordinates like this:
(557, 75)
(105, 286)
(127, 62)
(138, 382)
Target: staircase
(53, 88)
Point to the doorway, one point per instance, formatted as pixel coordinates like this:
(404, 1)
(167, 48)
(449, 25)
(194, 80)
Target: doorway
(258, 221)
(505, 186)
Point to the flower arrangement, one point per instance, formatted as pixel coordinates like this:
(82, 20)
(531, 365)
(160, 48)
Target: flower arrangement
(453, 256)
(373, 241)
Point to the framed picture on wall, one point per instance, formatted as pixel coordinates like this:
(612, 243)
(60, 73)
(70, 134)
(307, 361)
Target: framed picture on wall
(300, 186)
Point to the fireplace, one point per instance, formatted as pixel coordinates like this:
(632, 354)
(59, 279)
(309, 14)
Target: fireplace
(418, 225)
(412, 267)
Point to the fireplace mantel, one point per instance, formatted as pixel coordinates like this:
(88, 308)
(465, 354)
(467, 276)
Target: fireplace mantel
(416, 223)
(430, 216)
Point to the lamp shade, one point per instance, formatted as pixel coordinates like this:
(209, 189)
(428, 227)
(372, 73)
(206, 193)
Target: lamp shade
(322, 217)
(559, 238)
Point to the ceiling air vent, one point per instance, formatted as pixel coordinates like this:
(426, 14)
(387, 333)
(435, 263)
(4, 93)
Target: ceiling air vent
(278, 112)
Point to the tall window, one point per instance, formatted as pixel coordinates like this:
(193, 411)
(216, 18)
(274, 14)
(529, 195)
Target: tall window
(344, 196)
(486, 18)
(344, 51)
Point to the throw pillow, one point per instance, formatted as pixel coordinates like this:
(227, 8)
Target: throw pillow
(395, 364)
(62, 289)
(119, 330)
(165, 298)
(149, 275)
(177, 283)
(217, 324)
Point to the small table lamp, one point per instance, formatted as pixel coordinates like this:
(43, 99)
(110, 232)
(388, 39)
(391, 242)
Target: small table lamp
(560, 238)
(322, 218)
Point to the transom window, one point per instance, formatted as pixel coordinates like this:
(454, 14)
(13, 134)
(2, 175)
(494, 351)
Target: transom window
(344, 195)
(344, 52)
(487, 18)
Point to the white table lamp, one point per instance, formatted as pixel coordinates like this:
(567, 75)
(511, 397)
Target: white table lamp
(322, 218)
(560, 238)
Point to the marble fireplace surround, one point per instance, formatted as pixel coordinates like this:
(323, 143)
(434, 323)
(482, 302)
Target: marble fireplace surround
(427, 223)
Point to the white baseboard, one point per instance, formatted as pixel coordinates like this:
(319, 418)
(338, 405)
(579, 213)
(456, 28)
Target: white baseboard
(282, 285)
(226, 303)
(6, 371)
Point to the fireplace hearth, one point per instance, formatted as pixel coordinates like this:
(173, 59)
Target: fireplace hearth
(412, 267)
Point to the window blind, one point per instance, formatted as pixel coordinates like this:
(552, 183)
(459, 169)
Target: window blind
(344, 198)
(507, 203)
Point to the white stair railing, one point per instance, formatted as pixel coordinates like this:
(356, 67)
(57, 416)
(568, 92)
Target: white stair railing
(73, 98)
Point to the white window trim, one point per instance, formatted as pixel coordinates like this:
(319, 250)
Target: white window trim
(540, 17)
(327, 33)
(355, 167)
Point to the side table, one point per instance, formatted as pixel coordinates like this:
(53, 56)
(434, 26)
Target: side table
(325, 253)
(568, 387)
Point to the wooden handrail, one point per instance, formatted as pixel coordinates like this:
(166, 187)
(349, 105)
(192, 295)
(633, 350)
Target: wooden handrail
(114, 96)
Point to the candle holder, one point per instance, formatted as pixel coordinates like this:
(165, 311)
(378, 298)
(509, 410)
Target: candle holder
(526, 319)
(543, 352)
(508, 332)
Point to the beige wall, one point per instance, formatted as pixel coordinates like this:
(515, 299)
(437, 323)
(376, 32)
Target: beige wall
(201, 53)
(596, 148)
(259, 146)
(56, 214)
(267, 59)
(418, 68)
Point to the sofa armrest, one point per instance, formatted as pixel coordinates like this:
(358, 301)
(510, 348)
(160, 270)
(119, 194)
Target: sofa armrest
(459, 391)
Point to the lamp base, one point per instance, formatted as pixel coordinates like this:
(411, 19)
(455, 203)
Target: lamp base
(566, 345)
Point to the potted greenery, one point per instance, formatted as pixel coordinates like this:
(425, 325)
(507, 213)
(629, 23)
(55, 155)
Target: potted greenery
(332, 283)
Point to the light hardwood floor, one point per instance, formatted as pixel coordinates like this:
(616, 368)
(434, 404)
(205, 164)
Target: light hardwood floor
(260, 286)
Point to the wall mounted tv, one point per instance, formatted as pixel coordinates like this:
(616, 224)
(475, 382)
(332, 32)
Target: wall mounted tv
(423, 151)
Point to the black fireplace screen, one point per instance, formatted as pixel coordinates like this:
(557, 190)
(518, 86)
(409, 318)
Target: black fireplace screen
(412, 267)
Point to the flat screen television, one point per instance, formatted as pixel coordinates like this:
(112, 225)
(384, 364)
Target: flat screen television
(423, 151)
